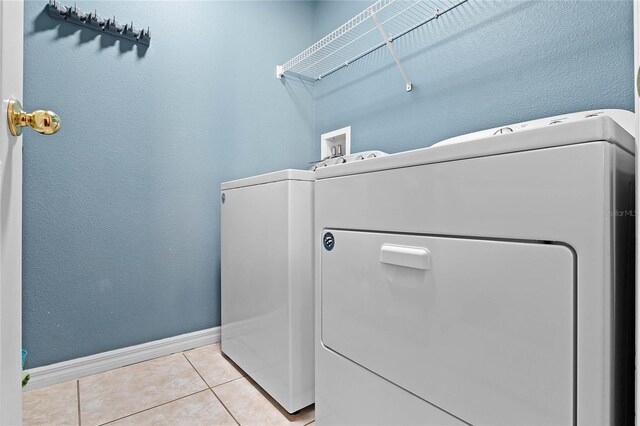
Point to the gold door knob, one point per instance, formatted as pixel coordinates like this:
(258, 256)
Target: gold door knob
(41, 121)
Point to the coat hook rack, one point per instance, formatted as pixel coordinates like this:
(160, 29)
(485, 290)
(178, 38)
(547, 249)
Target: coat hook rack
(95, 22)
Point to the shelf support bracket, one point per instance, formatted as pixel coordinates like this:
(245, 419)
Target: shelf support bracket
(392, 50)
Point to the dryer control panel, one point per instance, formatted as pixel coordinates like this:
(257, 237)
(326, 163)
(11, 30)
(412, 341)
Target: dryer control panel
(624, 118)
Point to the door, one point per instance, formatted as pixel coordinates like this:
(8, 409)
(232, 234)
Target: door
(11, 33)
(481, 329)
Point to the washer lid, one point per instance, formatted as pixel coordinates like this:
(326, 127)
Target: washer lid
(570, 129)
(289, 174)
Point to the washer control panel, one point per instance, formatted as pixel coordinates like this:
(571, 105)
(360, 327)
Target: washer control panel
(358, 156)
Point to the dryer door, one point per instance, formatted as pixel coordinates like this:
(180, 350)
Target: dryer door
(482, 329)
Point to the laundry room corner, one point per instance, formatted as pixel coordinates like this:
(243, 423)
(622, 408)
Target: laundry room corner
(121, 206)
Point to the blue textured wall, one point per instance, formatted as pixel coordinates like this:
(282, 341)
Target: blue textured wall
(483, 65)
(121, 207)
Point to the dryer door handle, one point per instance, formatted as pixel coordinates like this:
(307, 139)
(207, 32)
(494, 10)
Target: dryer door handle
(409, 257)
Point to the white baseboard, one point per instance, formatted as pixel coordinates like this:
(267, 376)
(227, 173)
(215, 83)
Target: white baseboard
(86, 366)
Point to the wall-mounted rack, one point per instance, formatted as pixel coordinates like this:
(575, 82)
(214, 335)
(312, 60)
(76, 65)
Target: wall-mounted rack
(378, 25)
(94, 21)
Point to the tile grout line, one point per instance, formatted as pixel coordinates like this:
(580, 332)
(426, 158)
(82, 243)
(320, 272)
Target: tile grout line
(216, 385)
(78, 396)
(288, 416)
(228, 381)
(196, 370)
(211, 389)
(155, 406)
(225, 407)
(265, 395)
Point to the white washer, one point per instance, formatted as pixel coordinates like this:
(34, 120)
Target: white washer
(267, 279)
(485, 280)
(267, 282)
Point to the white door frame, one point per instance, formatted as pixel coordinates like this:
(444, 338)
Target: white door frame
(11, 71)
(636, 67)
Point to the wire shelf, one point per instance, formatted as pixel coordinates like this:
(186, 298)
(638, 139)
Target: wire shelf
(362, 35)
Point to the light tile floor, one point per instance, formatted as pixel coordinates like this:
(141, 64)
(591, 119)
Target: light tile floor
(196, 387)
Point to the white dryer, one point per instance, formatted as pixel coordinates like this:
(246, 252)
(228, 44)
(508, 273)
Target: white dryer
(485, 280)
